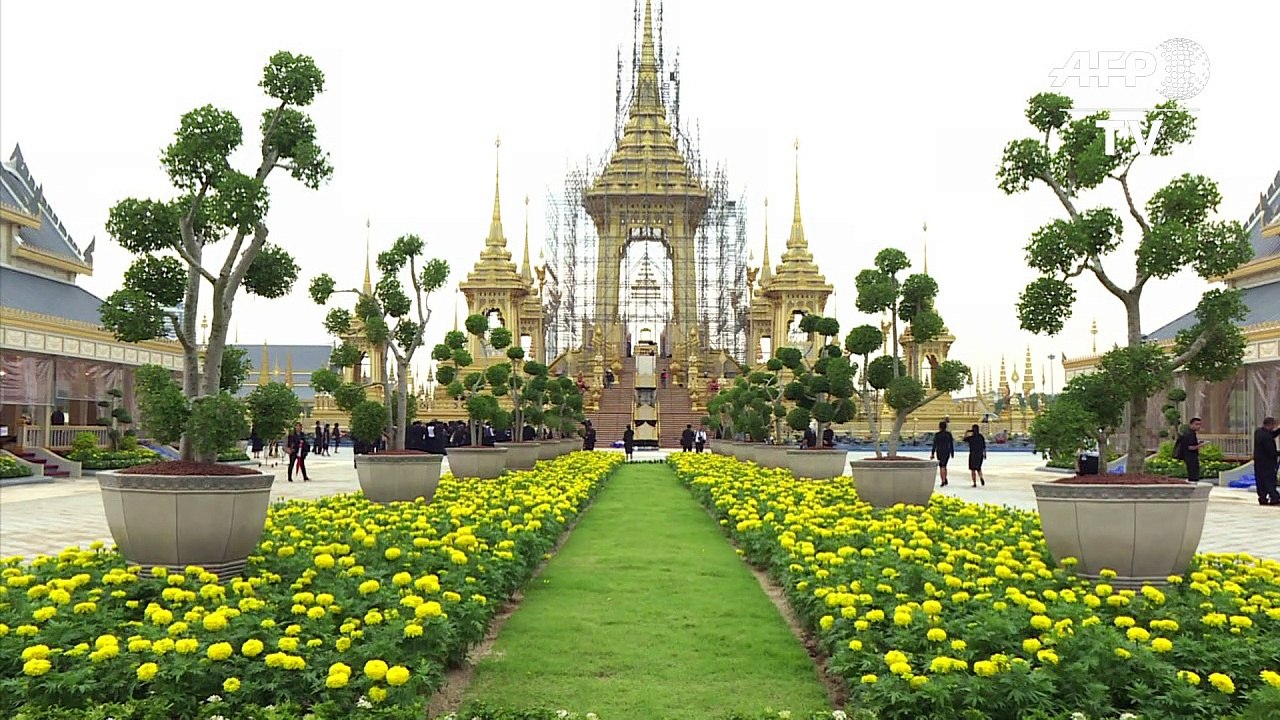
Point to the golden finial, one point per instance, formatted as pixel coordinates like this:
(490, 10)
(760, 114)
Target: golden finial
(766, 272)
(797, 228)
(288, 377)
(204, 329)
(262, 369)
(526, 273)
(1094, 332)
(368, 284)
(496, 240)
(925, 228)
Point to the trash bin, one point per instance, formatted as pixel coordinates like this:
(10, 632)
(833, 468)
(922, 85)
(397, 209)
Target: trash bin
(1088, 462)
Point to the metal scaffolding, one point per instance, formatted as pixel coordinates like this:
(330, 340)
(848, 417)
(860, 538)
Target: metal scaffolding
(720, 242)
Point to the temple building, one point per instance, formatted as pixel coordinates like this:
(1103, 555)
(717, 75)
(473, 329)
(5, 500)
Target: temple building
(56, 360)
(1231, 409)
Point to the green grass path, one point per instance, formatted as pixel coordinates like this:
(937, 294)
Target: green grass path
(647, 612)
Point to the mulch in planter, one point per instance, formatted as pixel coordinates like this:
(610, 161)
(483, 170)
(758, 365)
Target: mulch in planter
(183, 467)
(1126, 479)
(892, 458)
(399, 452)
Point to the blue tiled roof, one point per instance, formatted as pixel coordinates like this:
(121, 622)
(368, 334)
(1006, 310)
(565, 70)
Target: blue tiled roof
(19, 189)
(306, 358)
(1263, 302)
(34, 293)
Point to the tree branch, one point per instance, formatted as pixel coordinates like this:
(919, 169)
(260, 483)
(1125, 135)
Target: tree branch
(177, 331)
(1063, 196)
(187, 248)
(1194, 349)
(922, 403)
(1095, 266)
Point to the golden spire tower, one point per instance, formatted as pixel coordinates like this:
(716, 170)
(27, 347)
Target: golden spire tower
(526, 271)
(1028, 375)
(262, 368)
(766, 272)
(1093, 331)
(288, 370)
(1004, 380)
(925, 254)
(367, 288)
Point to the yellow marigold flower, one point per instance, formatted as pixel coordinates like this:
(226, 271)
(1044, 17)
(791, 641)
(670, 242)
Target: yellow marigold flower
(894, 656)
(377, 693)
(936, 634)
(1103, 590)
(918, 681)
(932, 607)
(369, 587)
(186, 646)
(288, 644)
(44, 613)
(84, 608)
(37, 652)
(373, 617)
(1161, 645)
(1030, 645)
(855, 644)
(1138, 634)
(397, 675)
(252, 647)
(139, 644)
(900, 668)
(451, 596)
(147, 670)
(335, 681)
(392, 553)
(214, 621)
(1222, 683)
(220, 651)
(431, 608)
(342, 644)
(1270, 677)
(1124, 621)
(869, 679)
(231, 685)
(1188, 677)
(1041, 622)
(1214, 619)
(1241, 621)
(412, 630)
(1047, 656)
(826, 622)
(375, 669)
(401, 579)
(162, 646)
(985, 668)
(1123, 654)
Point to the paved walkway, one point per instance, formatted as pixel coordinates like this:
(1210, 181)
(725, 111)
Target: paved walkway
(49, 517)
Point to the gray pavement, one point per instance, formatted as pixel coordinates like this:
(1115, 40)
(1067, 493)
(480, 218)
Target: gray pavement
(48, 518)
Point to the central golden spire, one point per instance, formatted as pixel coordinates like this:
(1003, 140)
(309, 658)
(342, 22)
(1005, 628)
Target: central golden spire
(368, 285)
(797, 256)
(925, 228)
(766, 272)
(526, 272)
(496, 241)
(647, 98)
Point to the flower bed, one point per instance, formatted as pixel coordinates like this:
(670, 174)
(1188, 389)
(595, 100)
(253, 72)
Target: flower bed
(10, 468)
(103, 459)
(956, 610)
(346, 602)
(233, 456)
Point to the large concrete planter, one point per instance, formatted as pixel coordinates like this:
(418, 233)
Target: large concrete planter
(818, 464)
(1145, 533)
(548, 449)
(522, 455)
(772, 456)
(477, 462)
(388, 478)
(172, 521)
(885, 483)
(568, 445)
(746, 451)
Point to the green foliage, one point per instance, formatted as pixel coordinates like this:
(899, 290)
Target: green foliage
(273, 409)
(133, 315)
(477, 324)
(272, 272)
(11, 468)
(325, 380)
(216, 423)
(105, 459)
(904, 393)
(1213, 461)
(235, 369)
(1176, 232)
(368, 419)
(162, 407)
(348, 395)
(84, 442)
(1063, 428)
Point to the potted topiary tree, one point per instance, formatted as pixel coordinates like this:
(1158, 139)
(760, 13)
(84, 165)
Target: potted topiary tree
(392, 316)
(196, 511)
(533, 400)
(1108, 514)
(820, 393)
(521, 454)
(475, 461)
(564, 413)
(888, 479)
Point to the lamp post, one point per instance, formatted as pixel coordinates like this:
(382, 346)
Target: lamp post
(1052, 357)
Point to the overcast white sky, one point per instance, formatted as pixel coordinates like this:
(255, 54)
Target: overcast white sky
(902, 110)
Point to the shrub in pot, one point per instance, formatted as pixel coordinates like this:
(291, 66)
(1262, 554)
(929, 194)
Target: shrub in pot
(820, 393)
(889, 479)
(195, 511)
(1133, 524)
(477, 391)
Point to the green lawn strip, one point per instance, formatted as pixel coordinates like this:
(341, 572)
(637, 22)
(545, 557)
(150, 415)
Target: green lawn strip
(646, 612)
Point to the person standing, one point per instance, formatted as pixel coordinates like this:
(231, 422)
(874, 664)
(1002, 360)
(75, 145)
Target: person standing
(1187, 449)
(58, 417)
(318, 436)
(304, 448)
(291, 445)
(337, 435)
(664, 377)
(944, 448)
(628, 441)
(828, 437)
(686, 439)
(1265, 461)
(977, 453)
(589, 437)
(700, 439)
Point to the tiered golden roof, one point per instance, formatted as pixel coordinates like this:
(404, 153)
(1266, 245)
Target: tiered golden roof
(494, 270)
(797, 270)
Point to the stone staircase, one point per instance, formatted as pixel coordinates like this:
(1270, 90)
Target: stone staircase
(50, 469)
(675, 410)
(616, 407)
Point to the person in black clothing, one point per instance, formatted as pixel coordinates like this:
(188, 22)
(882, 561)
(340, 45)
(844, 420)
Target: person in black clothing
(293, 443)
(828, 437)
(255, 442)
(1265, 461)
(628, 441)
(528, 433)
(944, 448)
(686, 439)
(589, 437)
(1187, 449)
(487, 438)
(336, 436)
(58, 417)
(977, 453)
(319, 436)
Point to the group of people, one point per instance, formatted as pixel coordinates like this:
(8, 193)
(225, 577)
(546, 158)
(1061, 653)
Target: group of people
(944, 448)
(325, 437)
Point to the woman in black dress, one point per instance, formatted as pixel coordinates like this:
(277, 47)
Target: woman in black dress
(944, 448)
(628, 441)
(977, 453)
